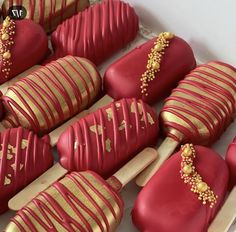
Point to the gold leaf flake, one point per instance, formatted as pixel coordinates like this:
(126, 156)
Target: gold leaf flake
(150, 119)
(109, 114)
(122, 125)
(1, 154)
(13, 166)
(7, 181)
(97, 129)
(11, 149)
(108, 145)
(24, 143)
(9, 156)
(140, 109)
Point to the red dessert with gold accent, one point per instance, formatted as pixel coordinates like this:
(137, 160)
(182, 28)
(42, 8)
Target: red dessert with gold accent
(23, 157)
(198, 111)
(106, 139)
(96, 33)
(185, 194)
(202, 106)
(81, 201)
(47, 13)
(151, 70)
(52, 94)
(19, 50)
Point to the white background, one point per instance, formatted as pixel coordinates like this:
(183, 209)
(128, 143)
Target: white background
(208, 25)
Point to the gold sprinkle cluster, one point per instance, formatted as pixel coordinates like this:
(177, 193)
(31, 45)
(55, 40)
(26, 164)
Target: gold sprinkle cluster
(6, 41)
(154, 60)
(190, 176)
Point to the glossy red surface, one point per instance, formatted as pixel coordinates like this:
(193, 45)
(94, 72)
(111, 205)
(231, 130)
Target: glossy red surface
(106, 139)
(30, 48)
(96, 33)
(122, 78)
(166, 203)
(23, 157)
(231, 161)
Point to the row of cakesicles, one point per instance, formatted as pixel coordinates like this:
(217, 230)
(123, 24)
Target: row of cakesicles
(178, 51)
(108, 113)
(166, 195)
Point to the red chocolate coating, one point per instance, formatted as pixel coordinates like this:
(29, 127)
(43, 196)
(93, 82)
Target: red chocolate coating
(231, 161)
(96, 33)
(23, 157)
(52, 94)
(29, 48)
(166, 203)
(202, 106)
(106, 147)
(74, 213)
(122, 78)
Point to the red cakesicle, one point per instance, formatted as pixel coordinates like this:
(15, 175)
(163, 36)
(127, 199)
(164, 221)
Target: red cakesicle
(28, 46)
(122, 78)
(44, 99)
(23, 157)
(167, 204)
(49, 14)
(102, 142)
(198, 110)
(227, 214)
(81, 201)
(97, 32)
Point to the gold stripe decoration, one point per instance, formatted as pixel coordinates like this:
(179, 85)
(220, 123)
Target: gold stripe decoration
(154, 60)
(192, 177)
(6, 42)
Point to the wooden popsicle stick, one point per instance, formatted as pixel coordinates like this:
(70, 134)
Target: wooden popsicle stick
(6, 85)
(135, 166)
(226, 215)
(55, 134)
(124, 175)
(33, 189)
(165, 150)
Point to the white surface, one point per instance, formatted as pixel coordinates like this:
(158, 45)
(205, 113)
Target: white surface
(193, 24)
(208, 25)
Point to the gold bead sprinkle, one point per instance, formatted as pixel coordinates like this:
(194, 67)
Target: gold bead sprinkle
(190, 176)
(154, 60)
(6, 41)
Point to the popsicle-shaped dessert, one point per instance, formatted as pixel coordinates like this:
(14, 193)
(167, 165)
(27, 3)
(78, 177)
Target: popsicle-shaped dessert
(49, 14)
(23, 157)
(81, 201)
(18, 48)
(105, 139)
(52, 94)
(151, 70)
(102, 142)
(227, 213)
(96, 33)
(185, 194)
(199, 110)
